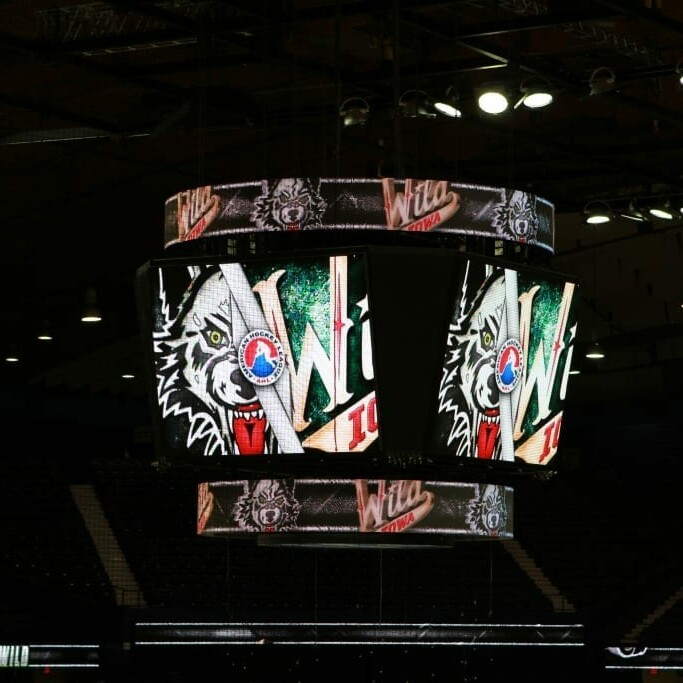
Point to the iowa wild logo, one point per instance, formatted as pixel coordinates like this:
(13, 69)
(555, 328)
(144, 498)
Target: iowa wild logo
(289, 204)
(516, 217)
(267, 505)
(487, 513)
(505, 372)
(266, 359)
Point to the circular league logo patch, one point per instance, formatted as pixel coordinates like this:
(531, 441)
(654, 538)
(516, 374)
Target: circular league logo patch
(509, 365)
(261, 357)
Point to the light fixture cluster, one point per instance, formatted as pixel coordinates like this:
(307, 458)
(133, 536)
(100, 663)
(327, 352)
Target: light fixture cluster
(643, 210)
(534, 92)
(418, 103)
(413, 103)
(44, 333)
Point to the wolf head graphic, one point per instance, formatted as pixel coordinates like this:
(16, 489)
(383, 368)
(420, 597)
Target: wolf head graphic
(199, 381)
(289, 204)
(267, 505)
(468, 392)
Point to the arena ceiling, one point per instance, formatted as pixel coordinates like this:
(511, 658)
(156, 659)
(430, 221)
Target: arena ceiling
(107, 109)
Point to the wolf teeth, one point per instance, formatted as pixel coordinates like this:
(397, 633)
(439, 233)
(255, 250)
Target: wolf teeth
(487, 419)
(245, 414)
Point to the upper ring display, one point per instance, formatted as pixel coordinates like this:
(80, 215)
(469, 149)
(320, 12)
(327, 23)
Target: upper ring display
(409, 205)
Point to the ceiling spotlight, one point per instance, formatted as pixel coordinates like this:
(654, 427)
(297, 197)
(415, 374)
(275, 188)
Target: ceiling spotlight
(662, 210)
(595, 351)
(493, 101)
(415, 103)
(597, 212)
(448, 106)
(679, 71)
(12, 355)
(91, 311)
(535, 94)
(634, 213)
(354, 111)
(601, 80)
(45, 331)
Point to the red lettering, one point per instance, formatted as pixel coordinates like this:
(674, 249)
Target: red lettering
(547, 433)
(551, 434)
(372, 415)
(556, 433)
(426, 223)
(197, 230)
(398, 524)
(356, 416)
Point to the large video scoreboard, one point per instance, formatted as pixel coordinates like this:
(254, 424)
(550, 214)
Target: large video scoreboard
(365, 360)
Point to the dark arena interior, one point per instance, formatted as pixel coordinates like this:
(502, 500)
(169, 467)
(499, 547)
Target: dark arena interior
(130, 129)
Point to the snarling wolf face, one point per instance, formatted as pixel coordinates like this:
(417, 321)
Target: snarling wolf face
(290, 204)
(267, 505)
(488, 511)
(199, 379)
(468, 388)
(517, 216)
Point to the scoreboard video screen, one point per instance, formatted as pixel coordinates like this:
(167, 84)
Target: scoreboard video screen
(368, 356)
(505, 365)
(263, 358)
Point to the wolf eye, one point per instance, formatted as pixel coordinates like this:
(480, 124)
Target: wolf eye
(215, 337)
(486, 339)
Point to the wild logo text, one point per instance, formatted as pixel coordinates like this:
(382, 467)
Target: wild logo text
(398, 505)
(422, 206)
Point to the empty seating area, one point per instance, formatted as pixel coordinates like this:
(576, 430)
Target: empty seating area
(587, 532)
(580, 545)
(48, 557)
(152, 513)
